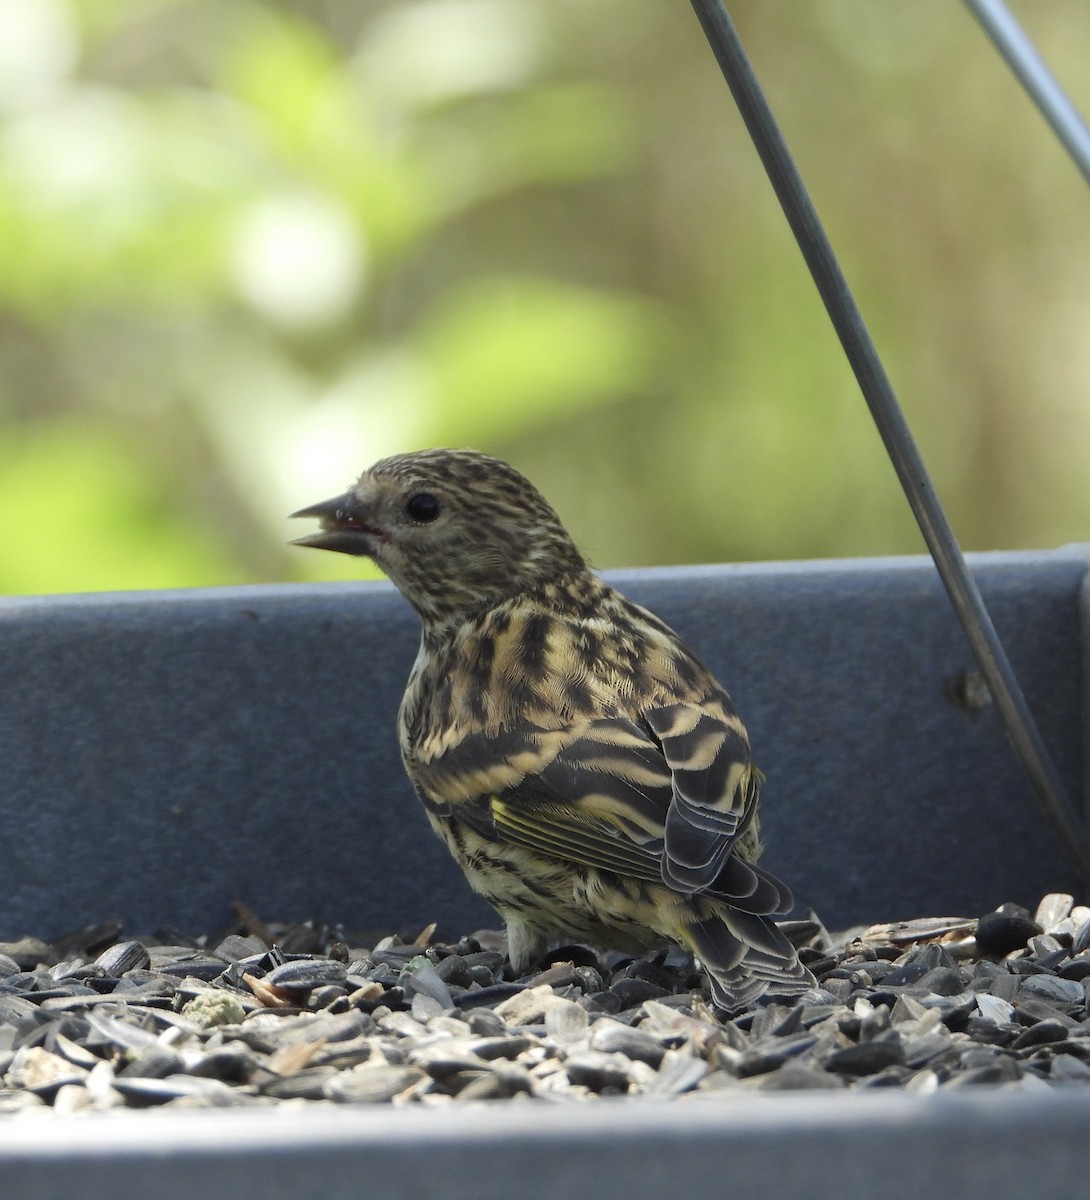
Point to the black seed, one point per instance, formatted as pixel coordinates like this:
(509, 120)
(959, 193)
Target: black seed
(1001, 932)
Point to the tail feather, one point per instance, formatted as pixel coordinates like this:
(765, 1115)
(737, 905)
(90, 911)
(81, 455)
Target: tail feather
(748, 887)
(745, 956)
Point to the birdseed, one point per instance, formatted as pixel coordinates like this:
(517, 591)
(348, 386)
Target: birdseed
(266, 1014)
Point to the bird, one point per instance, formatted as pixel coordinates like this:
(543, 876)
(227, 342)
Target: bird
(586, 770)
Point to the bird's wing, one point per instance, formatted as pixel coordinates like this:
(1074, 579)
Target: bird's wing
(714, 790)
(617, 796)
(600, 801)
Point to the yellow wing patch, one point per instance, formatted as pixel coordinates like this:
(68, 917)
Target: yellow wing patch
(565, 834)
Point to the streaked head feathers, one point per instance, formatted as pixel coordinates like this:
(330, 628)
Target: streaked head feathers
(456, 530)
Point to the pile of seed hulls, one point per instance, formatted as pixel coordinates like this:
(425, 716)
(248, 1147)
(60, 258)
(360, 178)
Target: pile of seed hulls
(295, 1014)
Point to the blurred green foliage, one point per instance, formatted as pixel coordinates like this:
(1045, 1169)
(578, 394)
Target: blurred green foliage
(249, 246)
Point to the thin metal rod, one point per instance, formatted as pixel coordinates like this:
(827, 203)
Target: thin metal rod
(1012, 43)
(900, 444)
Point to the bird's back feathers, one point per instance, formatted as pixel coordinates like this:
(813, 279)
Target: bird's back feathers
(582, 768)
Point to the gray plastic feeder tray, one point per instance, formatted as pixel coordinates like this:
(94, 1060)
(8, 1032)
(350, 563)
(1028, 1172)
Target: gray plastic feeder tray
(167, 753)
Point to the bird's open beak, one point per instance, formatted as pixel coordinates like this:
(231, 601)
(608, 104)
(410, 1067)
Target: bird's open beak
(343, 527)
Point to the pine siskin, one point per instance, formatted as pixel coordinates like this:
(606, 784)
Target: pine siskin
(585, 769)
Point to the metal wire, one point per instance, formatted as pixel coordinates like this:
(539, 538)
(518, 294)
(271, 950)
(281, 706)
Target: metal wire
(1011, 41)
(900, 444)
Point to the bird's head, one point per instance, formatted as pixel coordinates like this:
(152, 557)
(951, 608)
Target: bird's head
(456, 530)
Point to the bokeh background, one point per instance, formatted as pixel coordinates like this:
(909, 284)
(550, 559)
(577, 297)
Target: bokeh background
(249, 246)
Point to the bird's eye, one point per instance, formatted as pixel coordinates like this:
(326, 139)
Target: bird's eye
(422, 507)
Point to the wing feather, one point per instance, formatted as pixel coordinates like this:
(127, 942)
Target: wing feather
(715, 790)
(666, 802)
(561, 833)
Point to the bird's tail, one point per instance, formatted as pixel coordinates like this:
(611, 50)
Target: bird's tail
(745, 956)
